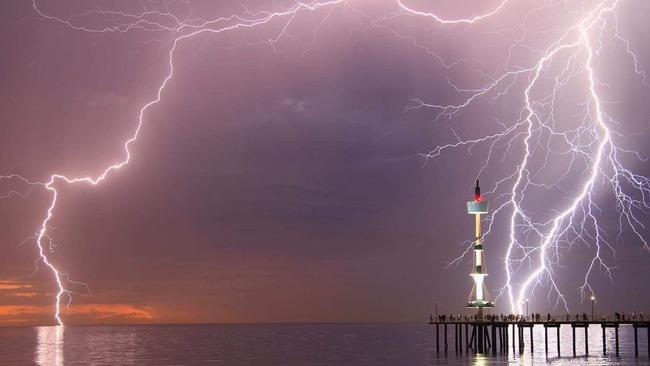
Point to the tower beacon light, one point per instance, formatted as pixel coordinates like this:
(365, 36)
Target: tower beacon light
(479, 297)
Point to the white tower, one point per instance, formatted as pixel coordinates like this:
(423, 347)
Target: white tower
(479, 297)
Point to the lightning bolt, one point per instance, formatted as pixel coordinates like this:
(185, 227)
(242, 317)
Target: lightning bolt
(151, 21)
(442, 20)
(533, 242)
(537, 242)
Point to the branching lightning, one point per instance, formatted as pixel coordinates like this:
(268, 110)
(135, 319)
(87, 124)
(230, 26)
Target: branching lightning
(533, 243)
(536, 243)
(152, 21)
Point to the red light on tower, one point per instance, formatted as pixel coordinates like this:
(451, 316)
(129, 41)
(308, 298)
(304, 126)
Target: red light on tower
(477, 192)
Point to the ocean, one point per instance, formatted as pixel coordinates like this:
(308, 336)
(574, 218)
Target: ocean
(285, 345)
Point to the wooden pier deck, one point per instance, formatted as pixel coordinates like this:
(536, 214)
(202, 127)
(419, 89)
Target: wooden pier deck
(493, 336)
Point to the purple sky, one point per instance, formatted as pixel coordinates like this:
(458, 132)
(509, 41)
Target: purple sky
(278, 182)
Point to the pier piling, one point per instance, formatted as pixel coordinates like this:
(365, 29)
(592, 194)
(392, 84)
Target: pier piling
(481, 336)
(557, 328)
(616, 335)
(446, 345)
(513, 338)
(636, 326)
(521, 339)
(437, 337)
(573, 329)
(460, 338)
(456, 337)
(585, 325)
(494, 339)
(636, 342)
(500, 339)
(472, 340)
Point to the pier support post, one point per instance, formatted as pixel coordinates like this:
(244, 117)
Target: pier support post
(573, 330)
(616, 334)
(460, 338)
(437, 337)
(558, 340)
(446, 345)
(500, 339)
(513, 339)
(587, 340)
(545, 340)
(472, 340)
(531, 338)
(494, 339)
(467, 345)
(457, 348)
(636, 342)
(456, 337)
(475, 337)
(521, 339)
(604, 341)
(648, 330)
(480, 338)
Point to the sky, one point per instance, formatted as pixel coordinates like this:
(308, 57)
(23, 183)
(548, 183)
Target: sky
(280, 178)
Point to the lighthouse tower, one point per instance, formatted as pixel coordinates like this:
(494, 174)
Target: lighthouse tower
(479, 297)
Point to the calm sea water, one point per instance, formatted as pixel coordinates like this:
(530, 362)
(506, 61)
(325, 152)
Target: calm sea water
(274, 344)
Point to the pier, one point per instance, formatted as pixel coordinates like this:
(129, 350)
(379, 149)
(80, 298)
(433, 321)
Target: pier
(491, 335)
(486, 333)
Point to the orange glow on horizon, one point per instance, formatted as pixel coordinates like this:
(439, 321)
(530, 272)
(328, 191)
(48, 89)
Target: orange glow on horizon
(85, 313)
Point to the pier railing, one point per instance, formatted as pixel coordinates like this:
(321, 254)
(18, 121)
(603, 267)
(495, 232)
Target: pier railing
(547, 318)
